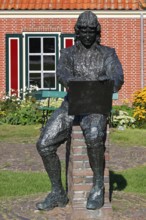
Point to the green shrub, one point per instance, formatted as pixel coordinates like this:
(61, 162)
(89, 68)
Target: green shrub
(125, 108)
(121, 119)
(17, 111)
(26, 113)
(139, 104)
(54, 102)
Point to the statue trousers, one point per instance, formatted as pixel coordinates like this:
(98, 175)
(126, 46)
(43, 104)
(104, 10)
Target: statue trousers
(59, 126)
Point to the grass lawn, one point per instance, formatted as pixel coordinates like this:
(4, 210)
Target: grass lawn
(24, 183)
(131, 180)
(128, 137)
(28, 183)
(19, 133)
(30, 133)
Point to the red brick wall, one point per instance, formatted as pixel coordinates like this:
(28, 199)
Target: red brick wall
(2, 55)
(122, 34)
(144, 51)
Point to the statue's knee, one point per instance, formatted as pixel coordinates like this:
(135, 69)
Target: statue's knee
(42, 149)
(95, 139)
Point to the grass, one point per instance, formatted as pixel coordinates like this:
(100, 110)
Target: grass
(24, 183)
(136, 180)
(128, 137)
(19, 133)
(27, 183)
(131, 180)
(30, 133)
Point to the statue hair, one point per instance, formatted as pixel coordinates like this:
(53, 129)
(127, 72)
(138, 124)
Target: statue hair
(79, 25)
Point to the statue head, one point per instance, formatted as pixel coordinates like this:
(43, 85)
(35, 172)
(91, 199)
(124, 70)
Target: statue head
(88, 29)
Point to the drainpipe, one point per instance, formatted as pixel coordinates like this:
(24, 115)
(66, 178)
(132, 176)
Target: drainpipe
(142, 49)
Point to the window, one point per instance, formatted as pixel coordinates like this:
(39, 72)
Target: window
(34, 64)
(42, 60)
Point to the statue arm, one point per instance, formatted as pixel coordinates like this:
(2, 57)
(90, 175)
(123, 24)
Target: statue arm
(114, 70)
(65, 68)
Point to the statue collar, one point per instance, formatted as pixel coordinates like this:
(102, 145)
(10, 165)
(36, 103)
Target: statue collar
(80, 46)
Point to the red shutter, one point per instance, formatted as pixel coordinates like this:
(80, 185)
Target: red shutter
(13, 64)
(68, 42)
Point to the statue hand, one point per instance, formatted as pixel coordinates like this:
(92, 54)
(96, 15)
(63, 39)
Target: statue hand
(103, 78)
(78, 79)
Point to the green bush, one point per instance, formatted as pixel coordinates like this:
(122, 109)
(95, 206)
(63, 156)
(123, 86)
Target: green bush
(122, 116)
(25, 113)
(15, 111)
(125, 108)
(28, 114)
(122, 120)
(139, 104)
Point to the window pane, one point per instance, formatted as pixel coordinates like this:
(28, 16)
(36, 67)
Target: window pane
(49, 45)
(34, 45)
(49, 80)
(34, 62)
(35, 79)
(49, 63)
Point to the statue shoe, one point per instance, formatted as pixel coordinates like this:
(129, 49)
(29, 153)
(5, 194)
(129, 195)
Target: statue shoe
(95, 199)
(54, 199)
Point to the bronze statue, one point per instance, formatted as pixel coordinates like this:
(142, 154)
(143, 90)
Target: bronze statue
(86, 60)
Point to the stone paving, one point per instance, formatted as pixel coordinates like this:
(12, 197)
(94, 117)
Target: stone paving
(22, 157)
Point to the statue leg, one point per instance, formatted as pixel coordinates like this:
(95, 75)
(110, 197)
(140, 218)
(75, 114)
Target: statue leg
(58, 196)
(94, 130)
(56, 132)
(96, 159)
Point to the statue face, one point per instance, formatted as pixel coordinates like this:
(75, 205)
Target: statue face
(87, 36)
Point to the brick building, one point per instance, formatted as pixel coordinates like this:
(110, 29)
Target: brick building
(32, 32)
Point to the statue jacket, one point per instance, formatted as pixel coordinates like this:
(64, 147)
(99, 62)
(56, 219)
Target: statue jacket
(97, 63)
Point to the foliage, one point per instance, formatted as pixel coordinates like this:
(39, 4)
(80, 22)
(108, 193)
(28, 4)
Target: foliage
(125, 107)
(54, 102)
(139, 104)
(122, 120)
(17, 111)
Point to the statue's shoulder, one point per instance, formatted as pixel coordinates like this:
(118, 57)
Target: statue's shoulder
(106, 50)
(68, 50)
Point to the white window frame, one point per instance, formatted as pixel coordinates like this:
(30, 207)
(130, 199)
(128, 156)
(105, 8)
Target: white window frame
(27, 36)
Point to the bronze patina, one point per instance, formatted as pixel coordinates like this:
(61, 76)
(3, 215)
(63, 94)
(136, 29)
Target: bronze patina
(86, 60)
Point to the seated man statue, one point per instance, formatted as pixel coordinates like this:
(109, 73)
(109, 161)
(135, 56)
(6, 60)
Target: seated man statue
(86, 60)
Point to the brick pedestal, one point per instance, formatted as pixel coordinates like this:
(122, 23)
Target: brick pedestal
(80, 180)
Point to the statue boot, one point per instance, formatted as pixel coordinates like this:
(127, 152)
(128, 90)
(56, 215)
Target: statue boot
(95, 199)
(57, 197)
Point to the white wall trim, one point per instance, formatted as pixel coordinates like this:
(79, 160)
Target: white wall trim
(24, 61)
(69, 13)
(9, 64)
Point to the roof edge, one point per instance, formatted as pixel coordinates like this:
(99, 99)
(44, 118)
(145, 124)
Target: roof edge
(68, 13)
